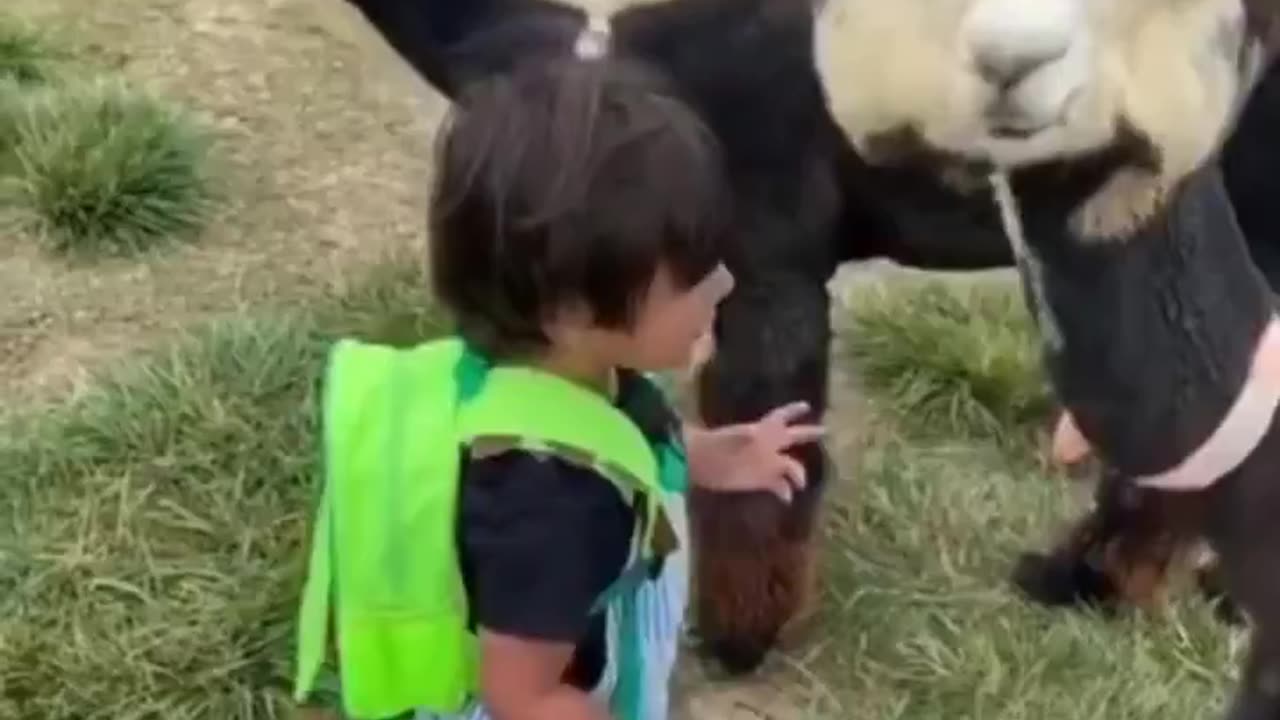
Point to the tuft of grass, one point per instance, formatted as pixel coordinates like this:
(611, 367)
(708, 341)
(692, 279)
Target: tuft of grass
(12, 104)
(951, 360)
(154, 530)
(27, 55)
(103, 169)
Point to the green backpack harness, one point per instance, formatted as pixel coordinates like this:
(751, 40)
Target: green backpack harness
(384, 576)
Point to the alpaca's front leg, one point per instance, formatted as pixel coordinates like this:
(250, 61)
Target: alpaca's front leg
(1246, 539)
(754, 557)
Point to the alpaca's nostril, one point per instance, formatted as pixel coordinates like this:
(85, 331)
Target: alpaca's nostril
(1005, 71)
(1009, 40)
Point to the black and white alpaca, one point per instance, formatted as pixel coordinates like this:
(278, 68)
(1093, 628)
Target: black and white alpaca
(852, 129)
(1162, 340)
(1165, 347)
(1123, 553)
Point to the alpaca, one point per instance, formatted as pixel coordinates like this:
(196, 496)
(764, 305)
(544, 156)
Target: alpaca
(1177, 390)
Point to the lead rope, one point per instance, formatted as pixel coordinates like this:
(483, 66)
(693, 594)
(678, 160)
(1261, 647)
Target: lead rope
(1028, 265)
(1009, 217)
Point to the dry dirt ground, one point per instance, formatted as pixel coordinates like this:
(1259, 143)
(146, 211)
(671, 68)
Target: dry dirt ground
(323, 149)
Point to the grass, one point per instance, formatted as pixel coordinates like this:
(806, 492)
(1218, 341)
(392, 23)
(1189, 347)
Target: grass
(101, 168)
(154, 530)
(27, 55)
(920, 621)
(11, 106)
(951, 361)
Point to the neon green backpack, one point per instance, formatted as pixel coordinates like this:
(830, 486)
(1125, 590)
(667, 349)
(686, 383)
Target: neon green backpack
(384, 575)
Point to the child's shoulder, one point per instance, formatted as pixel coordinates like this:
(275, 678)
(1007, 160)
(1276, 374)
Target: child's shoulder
(541, 540)
(521, 509)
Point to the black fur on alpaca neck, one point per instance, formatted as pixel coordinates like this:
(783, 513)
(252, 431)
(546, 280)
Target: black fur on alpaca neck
(1159, 329)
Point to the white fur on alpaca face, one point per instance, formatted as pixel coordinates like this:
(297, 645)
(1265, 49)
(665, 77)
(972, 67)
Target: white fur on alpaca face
(1018, 82)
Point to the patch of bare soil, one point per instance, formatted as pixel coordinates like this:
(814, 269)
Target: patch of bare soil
(324, 142)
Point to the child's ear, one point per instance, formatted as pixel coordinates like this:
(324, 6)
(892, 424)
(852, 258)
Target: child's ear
(568, 325)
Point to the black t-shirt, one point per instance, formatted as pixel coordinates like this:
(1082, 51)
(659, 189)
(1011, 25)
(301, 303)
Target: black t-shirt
(540, 539)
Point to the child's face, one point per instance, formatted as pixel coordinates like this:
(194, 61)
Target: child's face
(671, 322)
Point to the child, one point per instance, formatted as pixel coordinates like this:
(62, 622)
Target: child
(540, 572)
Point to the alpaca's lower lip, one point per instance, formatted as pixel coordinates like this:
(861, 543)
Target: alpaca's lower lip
(1006, 124)
(1011, 132)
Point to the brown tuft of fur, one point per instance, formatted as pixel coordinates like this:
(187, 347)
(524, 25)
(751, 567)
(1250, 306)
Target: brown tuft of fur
(1123, 552)
(1140, 571)
(1128, 200)
(755, 568)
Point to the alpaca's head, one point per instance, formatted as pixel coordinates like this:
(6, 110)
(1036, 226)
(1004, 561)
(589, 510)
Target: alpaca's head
(1023, 82)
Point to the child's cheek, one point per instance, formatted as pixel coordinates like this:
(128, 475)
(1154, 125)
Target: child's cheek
(703, 349)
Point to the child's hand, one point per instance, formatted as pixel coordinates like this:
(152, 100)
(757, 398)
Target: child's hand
(751, 456)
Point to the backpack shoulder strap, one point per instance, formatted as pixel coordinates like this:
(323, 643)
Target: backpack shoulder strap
(524, 407)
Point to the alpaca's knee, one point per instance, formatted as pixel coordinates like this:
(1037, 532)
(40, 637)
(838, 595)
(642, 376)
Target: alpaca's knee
(1069, 447)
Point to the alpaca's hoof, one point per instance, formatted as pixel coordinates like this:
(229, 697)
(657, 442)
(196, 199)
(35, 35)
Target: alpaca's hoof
(738, 656)
(1055, 583)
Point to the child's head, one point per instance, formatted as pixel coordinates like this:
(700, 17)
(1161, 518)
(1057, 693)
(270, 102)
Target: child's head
(578, 203)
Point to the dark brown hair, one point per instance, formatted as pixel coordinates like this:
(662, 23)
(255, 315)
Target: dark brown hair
(569, 181)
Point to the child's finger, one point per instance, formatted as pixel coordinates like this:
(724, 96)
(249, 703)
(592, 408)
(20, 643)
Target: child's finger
(782, 489)
(787, 414)
(793, 472)
(802, 435)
